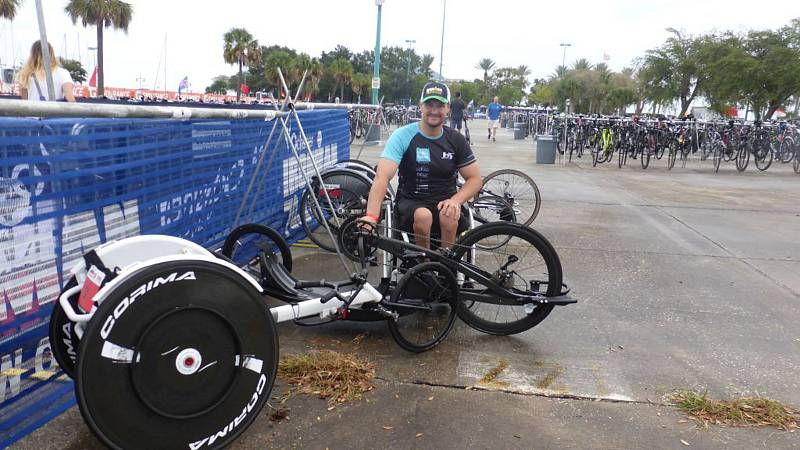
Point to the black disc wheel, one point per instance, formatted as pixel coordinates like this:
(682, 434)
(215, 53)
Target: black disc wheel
(347, 190)
(522, 261)
(181, 354)
(63, 340)
(244, 245)
(425, 300)
(518, 189)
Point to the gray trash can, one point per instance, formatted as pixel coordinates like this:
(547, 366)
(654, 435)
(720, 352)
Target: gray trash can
(519, 131)
(545, 150)
(373, 134)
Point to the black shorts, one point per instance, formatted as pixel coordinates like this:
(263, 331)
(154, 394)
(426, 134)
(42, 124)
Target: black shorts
(404, 214)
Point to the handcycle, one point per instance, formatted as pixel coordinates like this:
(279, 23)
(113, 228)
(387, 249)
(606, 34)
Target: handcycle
(171, 345)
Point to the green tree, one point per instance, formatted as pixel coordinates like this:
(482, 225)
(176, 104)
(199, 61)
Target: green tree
(342, 71)
(278, 59)
(560, 72)
(8, 8)
(486, 65)
(581, 64)
(75, 69)
(675, 70)
(101, 14)
(240, 48)
(542, 94)
(221, 83)
(359, 84)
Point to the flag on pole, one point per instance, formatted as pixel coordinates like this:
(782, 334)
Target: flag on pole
(245, 89)
(183, 85)
(93, 79)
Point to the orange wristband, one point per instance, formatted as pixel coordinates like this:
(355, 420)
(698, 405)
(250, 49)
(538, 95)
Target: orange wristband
(373, 217)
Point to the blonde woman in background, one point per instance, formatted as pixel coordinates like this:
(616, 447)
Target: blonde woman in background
(33, 85)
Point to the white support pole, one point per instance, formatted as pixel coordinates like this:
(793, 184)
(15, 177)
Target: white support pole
(48, 58)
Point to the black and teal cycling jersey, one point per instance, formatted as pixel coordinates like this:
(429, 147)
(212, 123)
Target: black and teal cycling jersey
(428, 166)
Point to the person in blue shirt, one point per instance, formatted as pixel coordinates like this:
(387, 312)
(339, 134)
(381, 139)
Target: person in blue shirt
(493, 114)
(429, 157)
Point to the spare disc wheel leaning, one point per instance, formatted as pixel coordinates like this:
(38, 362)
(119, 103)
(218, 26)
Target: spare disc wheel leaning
(183, 354)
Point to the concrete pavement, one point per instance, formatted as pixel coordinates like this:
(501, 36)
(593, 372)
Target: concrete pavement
(686, 279)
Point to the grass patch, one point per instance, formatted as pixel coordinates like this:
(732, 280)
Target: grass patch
(740, 412)
(338, 377)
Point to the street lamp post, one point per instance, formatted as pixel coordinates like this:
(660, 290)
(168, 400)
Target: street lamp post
(376, 67)
(441, 49)
(410, 43)
(564, 56)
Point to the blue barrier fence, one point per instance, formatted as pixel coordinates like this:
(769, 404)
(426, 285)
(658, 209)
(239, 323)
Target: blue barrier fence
(67, 185)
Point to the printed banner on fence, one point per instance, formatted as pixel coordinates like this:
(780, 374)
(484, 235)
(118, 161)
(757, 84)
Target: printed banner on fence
(67, 185)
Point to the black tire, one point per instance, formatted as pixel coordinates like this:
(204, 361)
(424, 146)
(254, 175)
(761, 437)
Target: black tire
(786, 149)
(644, 158)
(796, 163)
(349, 198)
(190, 363)
(243, 244)
(622, 156)
(492, 208)
(518, 189)
(426, 299)
(595, 156)
(742, 158)
(763, 158)
(673, 155)
(63, 340)
(520, 240)
(717, 156)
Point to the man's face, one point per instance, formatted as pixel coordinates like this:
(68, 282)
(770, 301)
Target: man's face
(434, 112)
(496, 99)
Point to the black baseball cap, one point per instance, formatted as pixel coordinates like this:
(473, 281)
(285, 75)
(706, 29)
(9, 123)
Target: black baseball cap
(435, 91)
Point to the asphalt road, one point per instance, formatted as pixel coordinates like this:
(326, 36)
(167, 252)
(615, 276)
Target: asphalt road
(686, 279)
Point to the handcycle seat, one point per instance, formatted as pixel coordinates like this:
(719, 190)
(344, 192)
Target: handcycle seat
(277, 280)
(277, 276)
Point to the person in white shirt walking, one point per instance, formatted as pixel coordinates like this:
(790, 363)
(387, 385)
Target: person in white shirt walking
(32, 81)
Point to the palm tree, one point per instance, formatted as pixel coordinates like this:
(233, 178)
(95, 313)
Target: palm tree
(561, 72)
(8, 8)
(523, 72)
(279, 59)
(315, 73)
(342, 72)
(241, 48)
(425, 65)
(486, 65)
(300, 65)
(359, 82)
(581, 64)
(100, 13)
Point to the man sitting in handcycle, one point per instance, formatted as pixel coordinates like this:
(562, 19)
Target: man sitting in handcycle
(429, 157)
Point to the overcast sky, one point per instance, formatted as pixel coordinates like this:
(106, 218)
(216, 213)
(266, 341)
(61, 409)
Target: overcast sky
(511, 32)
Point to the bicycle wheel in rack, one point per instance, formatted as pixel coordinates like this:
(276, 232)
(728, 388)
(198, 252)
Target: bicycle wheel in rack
(518, 189)
(245, 243)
